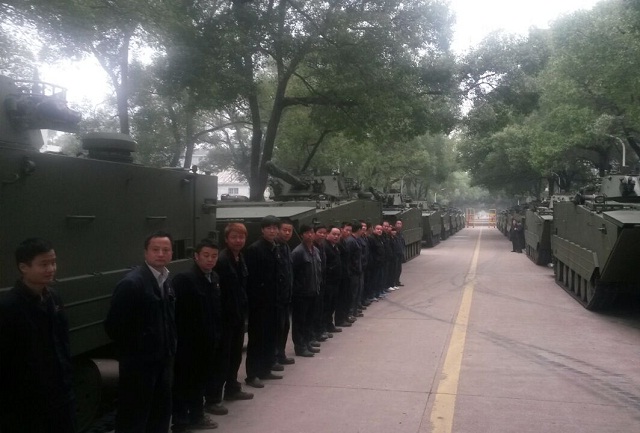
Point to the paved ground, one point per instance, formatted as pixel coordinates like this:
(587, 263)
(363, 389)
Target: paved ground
(514, 354)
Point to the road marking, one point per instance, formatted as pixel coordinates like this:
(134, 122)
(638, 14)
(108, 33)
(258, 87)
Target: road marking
(445, 399)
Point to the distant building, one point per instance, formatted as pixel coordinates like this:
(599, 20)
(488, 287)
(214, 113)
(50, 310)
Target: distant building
(232, 183)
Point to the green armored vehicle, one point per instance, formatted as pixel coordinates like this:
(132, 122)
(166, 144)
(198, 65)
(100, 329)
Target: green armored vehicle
(431, 226)
(304, 199)
(595, 242)
(96, 210)
(537, 234)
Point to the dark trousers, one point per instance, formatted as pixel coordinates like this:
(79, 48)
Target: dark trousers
(356, 291)
(144, 397)
(318, 308)
(396, 277)
(39, 419)
(261, 347)
(284, 326)
(302, 308)
(224, 374)
(343, 300)
(329, 305)
(187, 405)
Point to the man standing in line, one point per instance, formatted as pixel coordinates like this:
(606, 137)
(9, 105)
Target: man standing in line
(232, 272)
(319, 331)
(263, 262)
(198, 327)
(141, 322)
(333, 276)
(403, 246)
(307, 269)
(35, 370)
(377, 257)
(355, 267)
(284, 297)
(343, 297)
(389, 257)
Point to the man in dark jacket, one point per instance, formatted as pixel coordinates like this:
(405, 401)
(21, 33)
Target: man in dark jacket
(141, 322)
(307, 277)
(355, 267)
(198, 326)
(233, 274)
(403, 247)
(35, 360)
(263, 288)
(333, 276)
(283, 304)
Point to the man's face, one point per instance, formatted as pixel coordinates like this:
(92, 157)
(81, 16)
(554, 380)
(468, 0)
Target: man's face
(334, 235)
(308, 237)
(364, 228)
(286, 231)
(378, 230)
(321, 234)
(386, 227)
(158, 253)
(235, 241)
(346, 231)
(398, 225)
(41, 271)
(206, 259)
(270, 233)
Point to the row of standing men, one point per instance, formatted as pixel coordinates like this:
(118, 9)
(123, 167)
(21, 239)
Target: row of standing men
(180, 340)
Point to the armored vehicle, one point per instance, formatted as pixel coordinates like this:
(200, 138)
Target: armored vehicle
(537, 234)
(431, 226)
(304, 199)
(595, 242)
(396, 207)
(96, 210)
(445, 223)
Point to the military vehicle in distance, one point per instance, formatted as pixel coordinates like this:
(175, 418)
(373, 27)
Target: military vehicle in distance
(396, 206)
(431, 225)
(595, 242)
(303, 199)
(96, 210)
(537, 230)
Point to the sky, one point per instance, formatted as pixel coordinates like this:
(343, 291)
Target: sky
(475, 19)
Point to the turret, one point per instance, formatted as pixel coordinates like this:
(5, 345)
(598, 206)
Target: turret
(287, 186)
(28, 107)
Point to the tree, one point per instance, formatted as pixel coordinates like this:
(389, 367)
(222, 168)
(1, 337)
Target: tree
(374, 69)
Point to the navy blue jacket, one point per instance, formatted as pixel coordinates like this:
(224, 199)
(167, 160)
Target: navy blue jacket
(141, 321)
(35, 357)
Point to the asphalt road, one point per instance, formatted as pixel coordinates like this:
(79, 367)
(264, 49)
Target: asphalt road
(478, 340)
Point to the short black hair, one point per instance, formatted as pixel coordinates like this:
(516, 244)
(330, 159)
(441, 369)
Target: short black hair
(346, 224)
(30, 248)
(318, 227)
(270, 220)
(205, 243)
(158, 234)
(286, 220)
(305, 228)
(356, 226)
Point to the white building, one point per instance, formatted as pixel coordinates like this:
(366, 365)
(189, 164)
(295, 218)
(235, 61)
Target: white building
(230, 182)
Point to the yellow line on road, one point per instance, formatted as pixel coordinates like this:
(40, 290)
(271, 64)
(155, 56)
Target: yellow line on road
(445, 398)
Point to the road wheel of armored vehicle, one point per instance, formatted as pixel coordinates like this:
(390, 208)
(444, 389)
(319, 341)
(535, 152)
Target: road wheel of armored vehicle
(592, 294)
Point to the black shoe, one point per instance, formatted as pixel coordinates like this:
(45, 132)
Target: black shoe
(333, 329)
(304, 353)
(277, 367)
(366, 303)
(400, 284)
(239, 395)
(344, 324)
(359, 315)
(254, 382)
(329, 334)
(351, 319)
(216, 409)
(270, 376)
(322, 338)
(204, 423)
(313, 349)
(286, 361)
(314, 344)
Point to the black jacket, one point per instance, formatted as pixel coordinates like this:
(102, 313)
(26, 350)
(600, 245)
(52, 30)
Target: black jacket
(285, 274)
(333, 273)
(35, 357)
(141, 321)
(263, 258)
(233, 288)
(376, 250)
(307, 271)
(198, 317)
